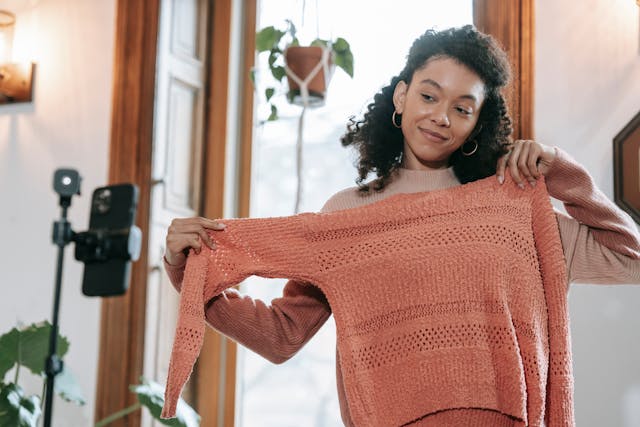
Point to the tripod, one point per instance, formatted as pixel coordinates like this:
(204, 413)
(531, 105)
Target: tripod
(106, 249)
(66, 183)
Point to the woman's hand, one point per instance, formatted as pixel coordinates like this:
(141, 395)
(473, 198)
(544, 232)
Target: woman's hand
(527, 160)
(186, 233)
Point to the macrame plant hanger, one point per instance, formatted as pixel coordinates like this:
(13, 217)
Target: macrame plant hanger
(323, 65)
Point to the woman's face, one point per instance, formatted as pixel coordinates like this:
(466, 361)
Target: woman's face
(440, 108)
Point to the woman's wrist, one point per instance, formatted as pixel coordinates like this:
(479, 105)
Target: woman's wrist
(175, 260)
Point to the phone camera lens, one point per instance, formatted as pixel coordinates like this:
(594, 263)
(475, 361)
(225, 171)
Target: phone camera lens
(102, 201)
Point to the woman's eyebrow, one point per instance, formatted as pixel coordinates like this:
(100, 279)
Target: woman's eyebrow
(437, 86)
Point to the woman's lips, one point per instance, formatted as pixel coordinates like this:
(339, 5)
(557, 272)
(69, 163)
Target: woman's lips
(433, 136)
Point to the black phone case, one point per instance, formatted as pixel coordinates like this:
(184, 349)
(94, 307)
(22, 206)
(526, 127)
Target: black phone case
(110, 277)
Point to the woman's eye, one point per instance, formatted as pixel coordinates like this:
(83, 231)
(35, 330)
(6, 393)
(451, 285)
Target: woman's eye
(463, 111)
(427, 97)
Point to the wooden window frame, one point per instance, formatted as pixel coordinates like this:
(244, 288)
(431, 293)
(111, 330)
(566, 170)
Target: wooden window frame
(511, 22)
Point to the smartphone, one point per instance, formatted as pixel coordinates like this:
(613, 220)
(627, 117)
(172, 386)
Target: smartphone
(106, 247)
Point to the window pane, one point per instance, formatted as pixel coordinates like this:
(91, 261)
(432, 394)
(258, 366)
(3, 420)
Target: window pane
(302, 391)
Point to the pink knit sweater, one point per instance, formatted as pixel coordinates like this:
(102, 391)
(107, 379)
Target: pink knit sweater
(606, 238)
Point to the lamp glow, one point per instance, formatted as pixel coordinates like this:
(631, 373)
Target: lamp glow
(16, 80)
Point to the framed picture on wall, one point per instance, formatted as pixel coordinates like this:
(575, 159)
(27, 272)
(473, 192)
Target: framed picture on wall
(626, 168)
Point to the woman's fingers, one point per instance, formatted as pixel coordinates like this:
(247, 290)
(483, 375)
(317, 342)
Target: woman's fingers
(206, 238)
(522, 161)
(195, 243)
(502, 165)
(209, 223)
(513, 164)
(532, 162)
(185, 233)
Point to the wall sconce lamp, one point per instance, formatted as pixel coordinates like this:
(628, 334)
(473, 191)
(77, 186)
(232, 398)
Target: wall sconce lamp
(16, 79)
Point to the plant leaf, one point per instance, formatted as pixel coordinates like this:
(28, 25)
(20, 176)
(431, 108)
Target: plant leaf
(291, 28)
(274, 114)
(278, 73)
(320, 42)
(28, 346)
(341, 45)
(273, 56)
(344, 60)
(151, 395)
(269, 92)
(268, 38)
(68, 388)
(16, 409)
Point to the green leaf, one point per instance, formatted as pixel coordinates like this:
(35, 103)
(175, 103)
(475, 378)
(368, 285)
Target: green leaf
(274, 113)
(28, 346)
(344, 60)
(320, 42)
(269, 92)
(341, 45)
(278, 72)
(151, 395)
(268, 38)
(291, 28)
(273, 56)
(16, 410)
(68, 388)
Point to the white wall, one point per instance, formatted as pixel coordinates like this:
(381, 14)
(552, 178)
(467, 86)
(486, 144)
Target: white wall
(67, 125)
(587, 88)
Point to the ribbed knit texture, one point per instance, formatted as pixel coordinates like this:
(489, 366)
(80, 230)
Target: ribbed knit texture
(446, 299)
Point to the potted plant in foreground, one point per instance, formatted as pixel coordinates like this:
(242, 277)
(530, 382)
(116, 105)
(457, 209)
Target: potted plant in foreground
(24, 350)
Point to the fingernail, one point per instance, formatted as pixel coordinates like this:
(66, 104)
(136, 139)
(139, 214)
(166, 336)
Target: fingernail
(500, 179)
(521, 185)
(222, 225)
(533, 183)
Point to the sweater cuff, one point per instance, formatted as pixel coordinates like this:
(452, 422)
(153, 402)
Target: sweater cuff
(175, 272)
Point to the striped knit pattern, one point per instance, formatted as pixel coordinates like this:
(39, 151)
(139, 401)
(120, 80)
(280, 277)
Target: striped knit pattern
(448, 299)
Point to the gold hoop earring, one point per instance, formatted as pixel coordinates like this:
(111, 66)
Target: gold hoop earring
(393, 120)
(472, 151)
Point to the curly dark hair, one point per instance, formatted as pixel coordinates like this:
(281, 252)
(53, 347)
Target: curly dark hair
(380, 145)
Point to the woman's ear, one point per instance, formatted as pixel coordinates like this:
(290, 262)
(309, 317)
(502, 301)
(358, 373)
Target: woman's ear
(399, 95)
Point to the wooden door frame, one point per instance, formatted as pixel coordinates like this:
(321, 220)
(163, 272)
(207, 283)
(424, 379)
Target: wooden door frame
(511, 22)
(122, 325)
(216, 366)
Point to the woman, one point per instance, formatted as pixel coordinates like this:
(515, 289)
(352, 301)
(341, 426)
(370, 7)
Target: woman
(440, 123)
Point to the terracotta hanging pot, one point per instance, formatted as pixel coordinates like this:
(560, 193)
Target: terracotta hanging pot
(301, 60)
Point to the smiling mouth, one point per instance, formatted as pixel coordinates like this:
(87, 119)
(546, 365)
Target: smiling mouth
(433, 136)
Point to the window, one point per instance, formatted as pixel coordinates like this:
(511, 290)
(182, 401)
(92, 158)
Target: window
(302, 391)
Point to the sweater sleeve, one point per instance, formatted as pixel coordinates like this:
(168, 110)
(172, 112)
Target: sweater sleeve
(600, 241)
(275, 330)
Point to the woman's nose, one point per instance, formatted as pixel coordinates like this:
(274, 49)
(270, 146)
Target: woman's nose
(439, 117)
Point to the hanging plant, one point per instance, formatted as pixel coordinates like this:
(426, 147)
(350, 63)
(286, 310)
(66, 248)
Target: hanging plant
(287, 58)
(308, 70)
